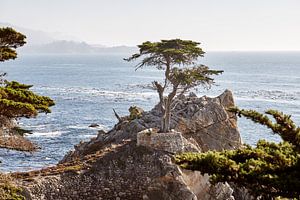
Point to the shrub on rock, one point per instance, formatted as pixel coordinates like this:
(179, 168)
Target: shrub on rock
(268, 170)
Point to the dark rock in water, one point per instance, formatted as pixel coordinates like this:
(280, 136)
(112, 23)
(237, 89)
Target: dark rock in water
(133, 161)
(94, 125)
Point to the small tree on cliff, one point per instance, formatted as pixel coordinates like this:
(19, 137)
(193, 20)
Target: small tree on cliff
(16, 100)
(268, 171)
(174, 57)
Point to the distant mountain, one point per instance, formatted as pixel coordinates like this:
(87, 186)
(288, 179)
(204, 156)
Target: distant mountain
(33, 37)
(72, 47)
(40, 42)
(57, 47)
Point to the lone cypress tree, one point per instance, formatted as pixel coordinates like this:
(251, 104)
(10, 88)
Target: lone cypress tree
(16, 100)
(268, 171)
(177, 58)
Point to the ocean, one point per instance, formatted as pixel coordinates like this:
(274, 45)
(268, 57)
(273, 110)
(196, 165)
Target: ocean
(87, 87)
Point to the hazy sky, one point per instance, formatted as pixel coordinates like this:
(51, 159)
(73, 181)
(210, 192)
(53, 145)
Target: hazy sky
(217, 24)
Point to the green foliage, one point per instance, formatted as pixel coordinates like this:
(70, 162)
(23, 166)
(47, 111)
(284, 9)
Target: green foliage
(167, 52)
(16, 85)
(16, 100)
(174, 57)
(269, 170)
(135, 112)
(9, 41)
(284, 126)
(12, 193)
(191, 77)
(8, 190)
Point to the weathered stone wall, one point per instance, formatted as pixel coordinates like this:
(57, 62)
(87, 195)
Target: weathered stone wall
(172, 142)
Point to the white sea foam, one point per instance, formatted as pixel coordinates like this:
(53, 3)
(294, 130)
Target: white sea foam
(47, 134)
(78, 127)
(98, 93)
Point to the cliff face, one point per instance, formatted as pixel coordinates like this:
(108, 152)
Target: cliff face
(133, 161)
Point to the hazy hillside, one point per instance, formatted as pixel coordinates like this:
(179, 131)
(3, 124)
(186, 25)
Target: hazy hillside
(71, 47)
(33, 37)
(40, 42)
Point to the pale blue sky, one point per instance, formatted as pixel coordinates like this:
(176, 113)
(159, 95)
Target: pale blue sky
(217, 24)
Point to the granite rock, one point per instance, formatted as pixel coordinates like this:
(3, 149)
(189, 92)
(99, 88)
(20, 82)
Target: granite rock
(134, 161)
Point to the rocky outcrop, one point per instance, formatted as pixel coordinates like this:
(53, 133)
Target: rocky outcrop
(179, 183)
(208, 122)
(6, 125)
(133, 161)
(10, 137)
(204, 119)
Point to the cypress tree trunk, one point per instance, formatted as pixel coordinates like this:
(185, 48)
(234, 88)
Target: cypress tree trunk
(167, 113)
(166, 120)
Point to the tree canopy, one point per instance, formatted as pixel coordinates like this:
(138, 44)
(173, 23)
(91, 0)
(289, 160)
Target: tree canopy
(16, 99)
(181, 73)
(167, 53)
(268, 170)
(9, 41)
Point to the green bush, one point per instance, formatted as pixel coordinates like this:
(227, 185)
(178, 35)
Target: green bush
(268, 170)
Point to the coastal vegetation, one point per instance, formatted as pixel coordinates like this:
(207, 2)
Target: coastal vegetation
(16, 99)
(269, 170)
(8, 190)
(177, 58)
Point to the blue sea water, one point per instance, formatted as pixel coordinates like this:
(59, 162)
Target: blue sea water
(87, 87)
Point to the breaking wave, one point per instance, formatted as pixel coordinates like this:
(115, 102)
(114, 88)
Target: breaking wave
(47, 134)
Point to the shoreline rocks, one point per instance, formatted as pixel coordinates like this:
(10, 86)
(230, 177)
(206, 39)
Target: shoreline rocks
(133, 161)
(10, 139)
